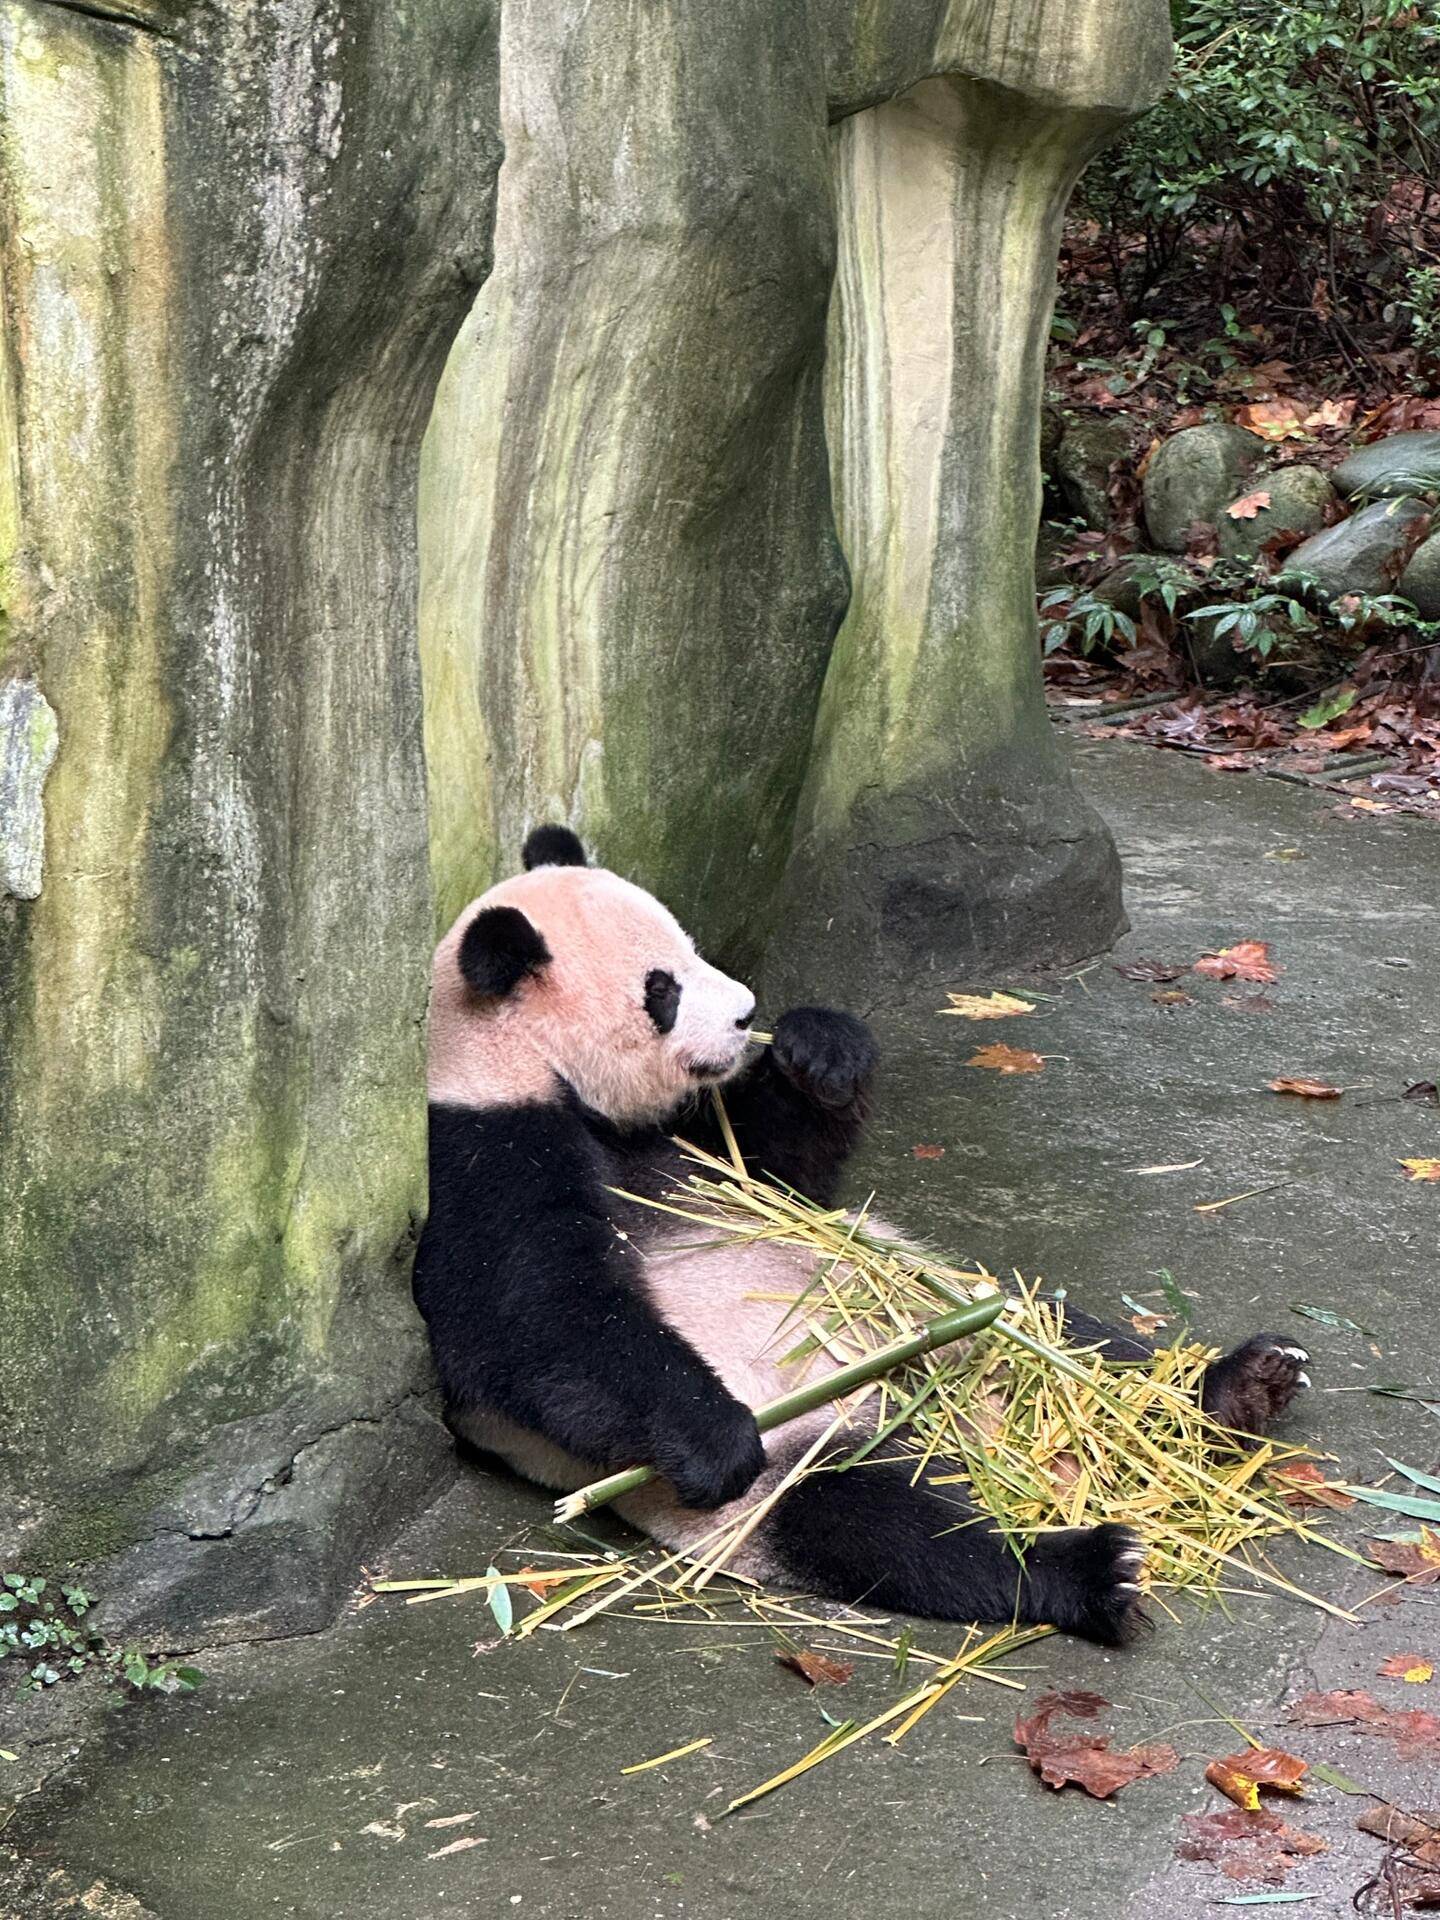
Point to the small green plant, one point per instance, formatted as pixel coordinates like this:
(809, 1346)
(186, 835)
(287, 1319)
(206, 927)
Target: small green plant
(1260, 622)
(1066, 614)
(50, 1634)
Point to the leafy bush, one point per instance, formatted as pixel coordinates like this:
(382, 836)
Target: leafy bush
(1301, 142)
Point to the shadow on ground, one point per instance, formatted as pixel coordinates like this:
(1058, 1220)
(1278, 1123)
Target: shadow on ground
(330, 1776)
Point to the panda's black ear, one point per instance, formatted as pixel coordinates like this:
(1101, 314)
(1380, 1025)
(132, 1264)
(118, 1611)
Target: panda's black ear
(500, 948)
(553, 847)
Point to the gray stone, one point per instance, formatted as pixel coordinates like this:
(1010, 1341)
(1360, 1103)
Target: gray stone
(238, 242)
(1403, 463)
(29, 736)
(1192, 475)
(1082, 462)
(1300, 499)
(1420, 581)
(1360, 554)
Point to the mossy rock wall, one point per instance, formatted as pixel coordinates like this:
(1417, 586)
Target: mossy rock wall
(238, 244)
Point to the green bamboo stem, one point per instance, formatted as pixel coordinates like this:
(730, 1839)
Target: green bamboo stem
(970, 1317)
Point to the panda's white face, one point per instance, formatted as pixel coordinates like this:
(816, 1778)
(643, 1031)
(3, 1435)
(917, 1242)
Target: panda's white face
(571, 976)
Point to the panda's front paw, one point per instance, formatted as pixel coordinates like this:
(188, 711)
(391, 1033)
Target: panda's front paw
(712, 1460)
(829, 1056)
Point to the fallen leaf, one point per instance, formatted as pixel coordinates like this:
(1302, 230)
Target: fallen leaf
(1173, 997)
(1248, 506)
(1327, 1317)
(1247, 1846)
(1303, 1484)
(1416, 1559)
(1413, 1667)
(1324, 711)
(1240, 1776)
(1147, 1323)
(1247, 960)
(385, 1830)
(1414, 1731)
(1005, 1059)
(1156, 970)
(818, 1668)
(453, 1819)
(987, 1006)
(1086, 1759)
(465, 1841)
(928, 1153)
(1369, 806)
(1247, 1003)
(1307, 1089)
(1419, 1832)
(1425, 1090)
(1272, 420)
(1331, 413)
(1421, 1169)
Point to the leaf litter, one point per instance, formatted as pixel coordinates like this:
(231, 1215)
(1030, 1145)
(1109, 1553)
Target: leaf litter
(1085, 1759)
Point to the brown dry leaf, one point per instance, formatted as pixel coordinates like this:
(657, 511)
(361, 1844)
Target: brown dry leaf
(1248, 505)
(1247, 1846)
(1369, 806)
(1086, 1759)
(1331, 413)
(818, 1668)
(1172, 997)
(1272, 420)
(1421, 1169)
(1417, 1560)
(462, 1845)
(1005, 1059)
(1246, 960)
(1414, 1731)
(1247, 1003)
(1425, 1090)
(1147, 1323)
(1419, 1832)
(1306, 1089)
(928, 1153)
(1156, 970)
(986, 1006)
(1240, 1776)
(1413, 1667)
(1304, 1485)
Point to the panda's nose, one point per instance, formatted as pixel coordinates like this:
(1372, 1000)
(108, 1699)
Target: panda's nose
(743, 1022)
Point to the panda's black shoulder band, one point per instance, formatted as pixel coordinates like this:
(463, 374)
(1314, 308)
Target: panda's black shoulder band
(499, 949)
(553, 847)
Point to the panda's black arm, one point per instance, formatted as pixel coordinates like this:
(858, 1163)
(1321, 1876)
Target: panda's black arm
(800, 1109)
(536, 1308)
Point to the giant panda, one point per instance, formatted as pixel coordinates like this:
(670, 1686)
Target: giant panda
(573, 1026)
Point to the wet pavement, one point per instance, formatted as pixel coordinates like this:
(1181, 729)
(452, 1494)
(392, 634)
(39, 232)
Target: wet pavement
(333, 1776)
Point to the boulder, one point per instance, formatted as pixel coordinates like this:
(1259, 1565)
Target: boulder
(1360, 554)
(1420, 581)
(1402, 464)
(1300, 501)
(1080, 465)
(1192, 476)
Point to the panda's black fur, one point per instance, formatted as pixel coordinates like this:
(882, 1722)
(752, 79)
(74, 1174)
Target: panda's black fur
(532, 1278)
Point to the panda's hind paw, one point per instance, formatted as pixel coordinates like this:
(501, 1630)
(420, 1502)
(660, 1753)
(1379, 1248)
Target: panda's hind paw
(1250, 1388)
(1088, 1581)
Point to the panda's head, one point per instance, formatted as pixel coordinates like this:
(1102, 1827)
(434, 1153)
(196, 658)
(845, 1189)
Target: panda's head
(568, 976)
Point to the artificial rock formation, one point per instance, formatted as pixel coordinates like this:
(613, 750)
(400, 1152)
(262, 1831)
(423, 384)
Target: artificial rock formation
(238, 243)
(630, 570)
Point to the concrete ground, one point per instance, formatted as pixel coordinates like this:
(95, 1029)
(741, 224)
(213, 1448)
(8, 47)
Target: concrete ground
(307, 1778)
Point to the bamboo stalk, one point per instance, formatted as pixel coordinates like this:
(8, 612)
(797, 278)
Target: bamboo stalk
(971, 1318)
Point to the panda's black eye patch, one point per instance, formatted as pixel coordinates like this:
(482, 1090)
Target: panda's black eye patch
(662, 998)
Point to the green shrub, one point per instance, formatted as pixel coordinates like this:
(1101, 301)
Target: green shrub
(1299, 143)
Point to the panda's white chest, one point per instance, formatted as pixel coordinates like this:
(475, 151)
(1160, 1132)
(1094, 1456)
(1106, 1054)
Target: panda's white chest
(735, 1305)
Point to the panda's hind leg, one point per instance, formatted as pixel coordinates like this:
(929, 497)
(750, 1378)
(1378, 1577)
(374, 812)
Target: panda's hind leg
(868, 1535)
